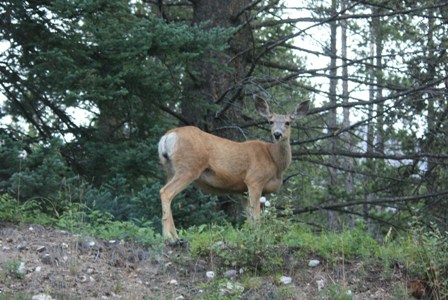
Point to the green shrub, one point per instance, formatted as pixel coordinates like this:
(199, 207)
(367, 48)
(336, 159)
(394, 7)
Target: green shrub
(253, 247)
(28, 212)
(11, 270)
(79, 218)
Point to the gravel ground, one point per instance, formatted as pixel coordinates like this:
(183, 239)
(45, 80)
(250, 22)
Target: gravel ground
(44, 263)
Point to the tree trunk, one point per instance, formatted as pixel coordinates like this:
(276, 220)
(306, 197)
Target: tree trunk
(332, 125)
(214, 90)
(214, 95)
(346, 114)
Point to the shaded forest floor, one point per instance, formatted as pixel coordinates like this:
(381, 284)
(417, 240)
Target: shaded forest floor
(41, 262)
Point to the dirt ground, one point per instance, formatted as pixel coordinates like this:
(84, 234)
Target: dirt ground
(41, 263)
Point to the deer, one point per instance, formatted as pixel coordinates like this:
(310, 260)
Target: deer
(220, 166)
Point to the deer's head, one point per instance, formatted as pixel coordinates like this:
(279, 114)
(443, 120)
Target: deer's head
(280, 124)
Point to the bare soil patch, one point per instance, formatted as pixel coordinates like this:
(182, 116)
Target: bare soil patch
(63, 265)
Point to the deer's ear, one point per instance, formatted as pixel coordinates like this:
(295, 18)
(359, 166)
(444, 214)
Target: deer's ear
(262, 107)
(301, 110)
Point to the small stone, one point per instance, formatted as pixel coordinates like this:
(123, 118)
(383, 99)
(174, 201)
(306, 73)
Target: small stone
(314, 263)
(210, 274)
(22, 247)
(38, 269)
(82, 278)
(40, 249)
(31, 228)
(91, 244)
(320, 284)
(46, 259)
(285, 279)
(180, 297)
(64, 245)
(90, 271)
(21, 268)
(230, 274)
(41, 297)
(173, 282)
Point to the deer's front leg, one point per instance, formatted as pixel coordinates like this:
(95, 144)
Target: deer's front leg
(254, 208)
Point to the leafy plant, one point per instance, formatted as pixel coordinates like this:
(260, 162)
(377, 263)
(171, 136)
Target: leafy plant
(11, 269)
(253, 247)
(80, 218)
(28, 212)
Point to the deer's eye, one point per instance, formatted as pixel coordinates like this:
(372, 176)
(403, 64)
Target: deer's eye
(287, 123)
(271, 122)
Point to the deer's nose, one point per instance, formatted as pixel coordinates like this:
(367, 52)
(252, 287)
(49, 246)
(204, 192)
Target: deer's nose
(277, 135)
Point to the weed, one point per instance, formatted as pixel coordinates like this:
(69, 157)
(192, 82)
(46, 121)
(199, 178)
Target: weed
(399, 292)
(253, 247)
(16, 296)
(12, 269)
(335, 292)
(27, 212)
(221, 289)
(286, 292)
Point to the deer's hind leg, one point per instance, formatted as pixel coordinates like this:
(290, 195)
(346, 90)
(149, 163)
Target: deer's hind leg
(174, 186)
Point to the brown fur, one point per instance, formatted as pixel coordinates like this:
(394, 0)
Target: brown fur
(217, 165)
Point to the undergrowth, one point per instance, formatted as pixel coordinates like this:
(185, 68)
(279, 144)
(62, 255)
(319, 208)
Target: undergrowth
(261, 248)
(80, 219)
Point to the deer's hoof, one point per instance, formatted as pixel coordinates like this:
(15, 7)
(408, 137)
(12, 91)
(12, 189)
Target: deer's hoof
(176, 243)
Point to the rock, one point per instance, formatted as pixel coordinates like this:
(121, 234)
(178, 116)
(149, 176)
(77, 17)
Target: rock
(38, 269)
(46, 259)
(210, 274)
(231, 288)
(180, 297)
(173, 282)
(320, 284)
(41, 297)
(22, 247)
(230, 274)
(314, 263)
(142, 255)
(82, 279)
(21, 268)
(285, 279)
(40, 249)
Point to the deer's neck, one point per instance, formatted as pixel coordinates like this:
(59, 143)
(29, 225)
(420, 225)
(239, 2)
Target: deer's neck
(281, 153)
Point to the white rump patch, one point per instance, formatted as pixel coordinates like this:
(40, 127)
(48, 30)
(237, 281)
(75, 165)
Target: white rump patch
(166, 145)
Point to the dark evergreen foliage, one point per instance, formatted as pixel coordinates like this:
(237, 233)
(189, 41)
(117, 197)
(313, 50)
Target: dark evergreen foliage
(90, 86)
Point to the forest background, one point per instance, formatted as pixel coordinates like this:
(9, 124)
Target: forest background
(371, 152)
